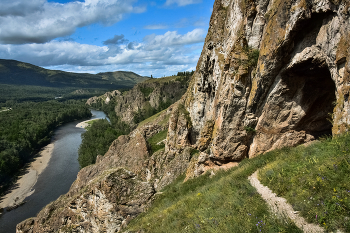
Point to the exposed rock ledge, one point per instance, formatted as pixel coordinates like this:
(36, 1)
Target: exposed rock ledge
(235, 107)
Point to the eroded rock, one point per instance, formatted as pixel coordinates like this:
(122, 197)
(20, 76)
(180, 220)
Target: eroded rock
(294, 92)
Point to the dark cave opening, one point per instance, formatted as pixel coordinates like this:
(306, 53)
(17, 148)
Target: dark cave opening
(310, 85)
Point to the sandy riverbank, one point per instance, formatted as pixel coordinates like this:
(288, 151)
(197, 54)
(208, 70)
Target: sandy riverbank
(24, 186)
(85, 124)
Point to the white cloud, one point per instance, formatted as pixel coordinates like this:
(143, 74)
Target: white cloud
(38, 21)
(55, 53)
(173, 39)
(20, 8)
(182, 2)
(157, 54)
(156, 26)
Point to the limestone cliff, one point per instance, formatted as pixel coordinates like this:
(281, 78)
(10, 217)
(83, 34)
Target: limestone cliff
(272, 73)
(144, 97)
(121, 185)
(296, 91)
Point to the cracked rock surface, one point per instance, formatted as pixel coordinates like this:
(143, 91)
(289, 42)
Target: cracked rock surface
(272, 73)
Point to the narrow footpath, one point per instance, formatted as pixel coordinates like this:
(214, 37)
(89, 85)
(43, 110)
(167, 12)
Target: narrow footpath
(280, 207)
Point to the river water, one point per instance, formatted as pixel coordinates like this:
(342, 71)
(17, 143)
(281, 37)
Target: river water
(56, 179)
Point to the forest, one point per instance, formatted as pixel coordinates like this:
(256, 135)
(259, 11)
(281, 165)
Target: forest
(21, 93)
(27, 127)
(99, 136)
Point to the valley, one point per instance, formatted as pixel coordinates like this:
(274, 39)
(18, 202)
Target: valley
(256, 139)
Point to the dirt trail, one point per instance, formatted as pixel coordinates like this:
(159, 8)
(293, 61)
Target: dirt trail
(280, 206)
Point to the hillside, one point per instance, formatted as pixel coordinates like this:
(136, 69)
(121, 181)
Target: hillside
(314, 180)
(144, 99)
(128, 110)
(19, 73)
(128, 79)
(272, 74)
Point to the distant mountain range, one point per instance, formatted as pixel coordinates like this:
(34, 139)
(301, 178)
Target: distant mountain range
(20, 73)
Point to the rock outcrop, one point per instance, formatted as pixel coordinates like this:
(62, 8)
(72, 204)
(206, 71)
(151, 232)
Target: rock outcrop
(144, 97)
(272, 73)
(122, 184)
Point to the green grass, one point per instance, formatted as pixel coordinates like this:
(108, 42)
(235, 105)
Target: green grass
(90, 123)
(225, 202)
(151, 119)
(315, 180)
(154, 140)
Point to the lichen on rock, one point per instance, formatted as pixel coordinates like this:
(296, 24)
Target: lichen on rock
(272, 73)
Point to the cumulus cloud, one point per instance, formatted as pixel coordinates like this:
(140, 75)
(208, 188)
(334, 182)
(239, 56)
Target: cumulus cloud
(131, 45)
(156, 26)
(165, 54)
(55, 53)
(39, 21)
(173, 39)
(116, 40)
(20, 8)
(182, 2)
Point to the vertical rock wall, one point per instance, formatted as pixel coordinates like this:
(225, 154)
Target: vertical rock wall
(296, 91)
(272, 73)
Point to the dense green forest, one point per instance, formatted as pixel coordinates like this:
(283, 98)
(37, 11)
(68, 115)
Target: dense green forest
(98, 137)
(21, 93)
(27, 127)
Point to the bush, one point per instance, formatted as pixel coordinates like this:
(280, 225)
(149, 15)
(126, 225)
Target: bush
(253, 57)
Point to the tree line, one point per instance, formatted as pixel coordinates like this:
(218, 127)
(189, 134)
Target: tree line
(100, 135)
(27, 128)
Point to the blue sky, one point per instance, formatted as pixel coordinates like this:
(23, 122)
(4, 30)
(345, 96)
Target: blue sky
(147, 37)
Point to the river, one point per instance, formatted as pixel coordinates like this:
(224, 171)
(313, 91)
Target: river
(56, 179)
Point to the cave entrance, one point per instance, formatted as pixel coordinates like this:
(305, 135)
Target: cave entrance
(311, 87)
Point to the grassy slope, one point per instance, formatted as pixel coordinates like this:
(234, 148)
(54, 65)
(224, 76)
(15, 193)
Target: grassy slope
(226, 202)
(153, 118)
(156, 143)
(315, 180)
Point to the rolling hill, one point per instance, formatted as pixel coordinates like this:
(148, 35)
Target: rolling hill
(20, 73)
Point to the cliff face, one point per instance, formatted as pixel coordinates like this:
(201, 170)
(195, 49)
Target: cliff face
(272, 73)
(122, 184)
(144, 97)
(296, 91)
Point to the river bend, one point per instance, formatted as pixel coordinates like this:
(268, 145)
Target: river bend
(57, 177)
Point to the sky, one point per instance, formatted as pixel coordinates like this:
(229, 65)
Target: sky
(158, 38)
